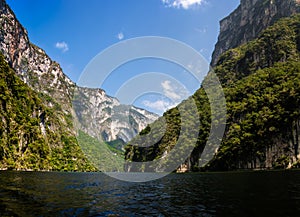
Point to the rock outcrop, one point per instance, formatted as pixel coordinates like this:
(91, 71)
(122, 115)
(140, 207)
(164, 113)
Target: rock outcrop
(249, 20)
(260, 77)
(46, 77)
(103, 116)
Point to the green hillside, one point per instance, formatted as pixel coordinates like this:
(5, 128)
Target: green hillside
(31, 137)
(103, 156)
(261, 86)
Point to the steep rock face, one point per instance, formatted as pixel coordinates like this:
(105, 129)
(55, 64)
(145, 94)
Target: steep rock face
(263, 123)
(103, 117)
(37, 70)
(54, 90)
(261, 81)
(249, 20)
(31, 63)
(30, 137)
(46, 77)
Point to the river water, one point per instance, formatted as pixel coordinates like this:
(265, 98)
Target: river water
(264, 193)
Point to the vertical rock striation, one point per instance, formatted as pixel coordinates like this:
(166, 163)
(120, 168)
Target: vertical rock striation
(257, 61)
(93, 107)
(46, 77)
(103, 117)
(249, 20)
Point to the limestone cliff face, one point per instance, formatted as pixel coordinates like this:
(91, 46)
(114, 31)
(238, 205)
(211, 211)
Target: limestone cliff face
(103, 117)
(261, 78)
(274, 51)
(30, 137)
(249, 20)
(30, 62)
(37, 70)
(51, 135)
(46, 77)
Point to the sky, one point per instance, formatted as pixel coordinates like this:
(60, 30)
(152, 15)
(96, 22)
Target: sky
(74, 32)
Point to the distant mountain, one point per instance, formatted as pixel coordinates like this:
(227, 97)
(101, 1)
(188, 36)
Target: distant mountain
(260, 76)
(56, 93)
(103, 117)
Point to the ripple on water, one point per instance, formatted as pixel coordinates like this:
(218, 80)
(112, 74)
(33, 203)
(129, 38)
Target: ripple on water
(95, 194)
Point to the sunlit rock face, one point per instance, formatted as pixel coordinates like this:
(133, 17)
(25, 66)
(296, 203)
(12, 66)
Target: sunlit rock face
(100, 114)
(263, 45)
(103, 117)
(249, 20)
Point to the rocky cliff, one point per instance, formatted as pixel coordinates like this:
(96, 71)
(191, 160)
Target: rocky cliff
(56, 91)
(249, 20)
(261, 80)
(45, 77)
(31, 136)
(36, 69)
(30, 62)
(103, 117)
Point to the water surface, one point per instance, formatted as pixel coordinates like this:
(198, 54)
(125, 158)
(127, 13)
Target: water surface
(267, 193)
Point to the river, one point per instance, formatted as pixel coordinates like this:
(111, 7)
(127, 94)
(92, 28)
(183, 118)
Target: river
(260, 193)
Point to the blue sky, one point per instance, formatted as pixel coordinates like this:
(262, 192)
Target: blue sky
(73, 32)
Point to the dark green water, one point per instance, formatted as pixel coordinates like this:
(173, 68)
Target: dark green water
(273, 193)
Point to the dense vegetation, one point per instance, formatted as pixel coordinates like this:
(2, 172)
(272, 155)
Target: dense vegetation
(263, 111)
(261, 82)
(103, 156)
(31, 137)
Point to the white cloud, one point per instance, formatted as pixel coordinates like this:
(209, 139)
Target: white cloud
(173, 91)
(159, 105)
(120, 36)
(169, 90)
(63, 46)
(185, 4)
